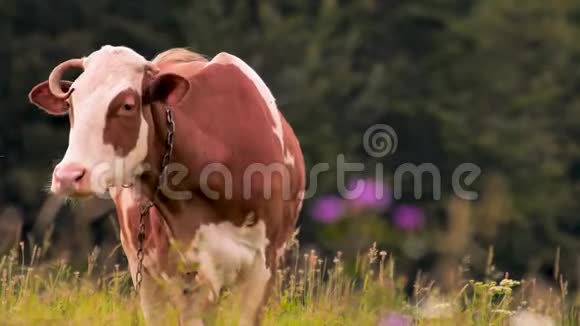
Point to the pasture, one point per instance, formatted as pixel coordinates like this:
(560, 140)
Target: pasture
(310, 290)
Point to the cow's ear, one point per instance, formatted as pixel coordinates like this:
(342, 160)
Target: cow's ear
(41, 96)
(169, 88)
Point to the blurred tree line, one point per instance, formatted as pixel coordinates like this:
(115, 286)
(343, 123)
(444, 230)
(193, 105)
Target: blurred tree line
(491, 82)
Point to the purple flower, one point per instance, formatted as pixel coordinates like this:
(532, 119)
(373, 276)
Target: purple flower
(368, 194)
(394, 320)
(408, 217)
(327, 209)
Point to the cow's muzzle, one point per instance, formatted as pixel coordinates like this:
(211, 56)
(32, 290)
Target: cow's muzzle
(70, 180)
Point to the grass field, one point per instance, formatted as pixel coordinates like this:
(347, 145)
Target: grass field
(310, 291)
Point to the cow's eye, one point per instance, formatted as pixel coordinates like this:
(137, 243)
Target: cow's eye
(128, 109)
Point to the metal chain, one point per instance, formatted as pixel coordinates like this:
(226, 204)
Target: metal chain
(144, 209)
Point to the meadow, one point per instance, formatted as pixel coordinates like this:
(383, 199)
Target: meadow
(310, 290)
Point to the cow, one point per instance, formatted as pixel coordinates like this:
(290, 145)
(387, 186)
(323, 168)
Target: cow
(206, 174)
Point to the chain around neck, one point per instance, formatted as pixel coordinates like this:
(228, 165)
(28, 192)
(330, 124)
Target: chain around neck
(146, 206)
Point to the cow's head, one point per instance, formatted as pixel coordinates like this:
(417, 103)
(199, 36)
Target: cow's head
(109, 124)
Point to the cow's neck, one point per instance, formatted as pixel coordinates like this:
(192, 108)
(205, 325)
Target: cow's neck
(173, 208)
(158, 128)
(157, 124)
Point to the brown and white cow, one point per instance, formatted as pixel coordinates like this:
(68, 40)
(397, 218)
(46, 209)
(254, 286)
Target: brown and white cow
(233, 199)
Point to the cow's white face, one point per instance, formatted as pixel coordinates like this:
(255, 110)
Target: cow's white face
(106, 99)
(108, 136)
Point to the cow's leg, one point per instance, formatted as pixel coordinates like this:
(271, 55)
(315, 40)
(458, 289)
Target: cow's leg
(194, 304)
(198, 293)
(255, 290)
(153, 301)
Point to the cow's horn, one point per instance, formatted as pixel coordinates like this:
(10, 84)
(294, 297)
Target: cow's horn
(56, 75)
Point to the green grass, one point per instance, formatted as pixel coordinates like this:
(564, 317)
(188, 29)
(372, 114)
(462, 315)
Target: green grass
(310, 291)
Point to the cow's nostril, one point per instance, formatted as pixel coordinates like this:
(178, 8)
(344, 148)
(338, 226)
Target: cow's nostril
(80, 176)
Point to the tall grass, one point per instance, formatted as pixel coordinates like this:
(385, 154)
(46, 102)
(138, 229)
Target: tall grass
(310, 290)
